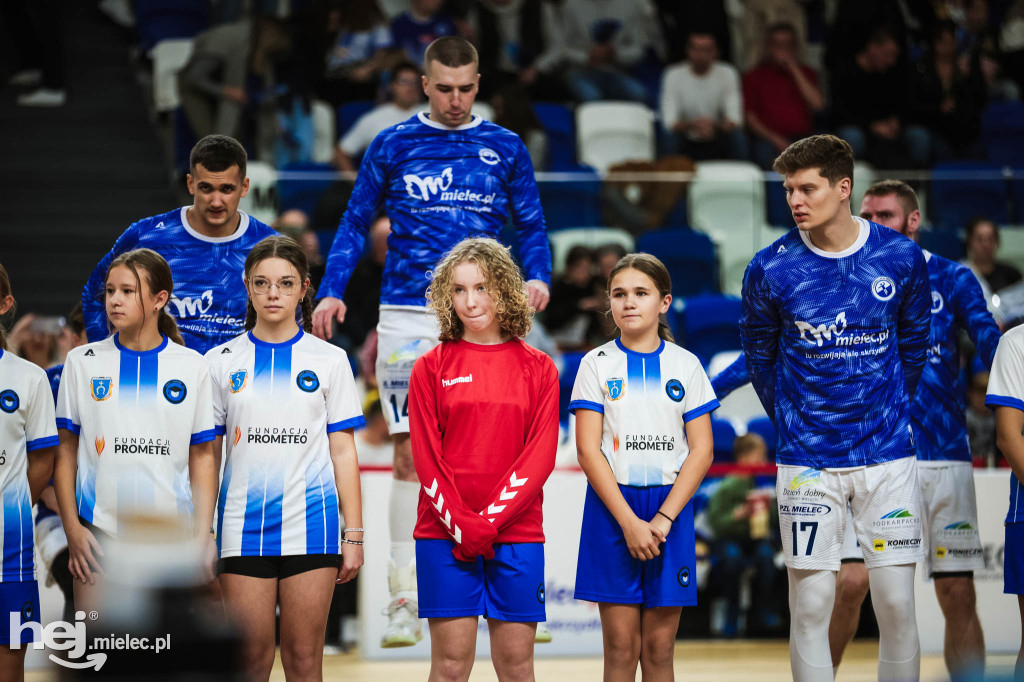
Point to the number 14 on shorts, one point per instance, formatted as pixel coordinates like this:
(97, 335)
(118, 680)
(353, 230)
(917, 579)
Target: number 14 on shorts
(405, 407)
(809, 529)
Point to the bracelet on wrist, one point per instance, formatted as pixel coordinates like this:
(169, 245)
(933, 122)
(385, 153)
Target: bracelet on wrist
(351, 542)
(352, 530)
(670, 519)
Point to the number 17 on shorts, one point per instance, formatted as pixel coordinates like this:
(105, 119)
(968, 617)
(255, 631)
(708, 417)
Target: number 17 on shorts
(811, 516)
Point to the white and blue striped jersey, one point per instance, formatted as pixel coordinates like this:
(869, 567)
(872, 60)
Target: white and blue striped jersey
(209, 300)
(646, 400)
(26, 424)
(1006, 389)
(275, 403)
(836, 343)
(135, 414)
(438, 185)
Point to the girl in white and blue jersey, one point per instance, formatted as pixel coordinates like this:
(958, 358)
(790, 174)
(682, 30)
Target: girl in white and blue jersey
(28, 438)
(286, 404)
(643, 434)
(135, 418)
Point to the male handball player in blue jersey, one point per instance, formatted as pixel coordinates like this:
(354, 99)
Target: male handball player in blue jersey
(835, 329)
(441, 177)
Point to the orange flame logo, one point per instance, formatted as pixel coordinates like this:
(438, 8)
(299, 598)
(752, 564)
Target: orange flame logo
(101, 443)
(238, 435)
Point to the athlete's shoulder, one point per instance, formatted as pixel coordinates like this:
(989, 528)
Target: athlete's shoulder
(257, 231)
(229, 348)
(882, 238)
(538, 357)
(676, 353)
(162, 221)
(1014, 337)
(96, 349)
(603, 353)
(779, 251)
(25, 368)
(182, 354)
(395, 134)
(156, 230)
(317, 346)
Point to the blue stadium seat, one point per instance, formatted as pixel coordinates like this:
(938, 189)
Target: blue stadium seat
(1002, 132)
(946, 244)
(573, 203)
(710, 324)
(157, 20)
(559, 125)
(779, 214)
(763, 427)
(964, 189)
(688, 255)
(304, 193)
(724, 435)
(349, 113)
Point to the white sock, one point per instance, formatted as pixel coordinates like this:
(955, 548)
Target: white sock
(811, 596)
(899, 649)
(405, 496)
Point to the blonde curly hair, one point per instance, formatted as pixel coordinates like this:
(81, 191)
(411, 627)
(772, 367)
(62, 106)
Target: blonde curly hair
(512, 308)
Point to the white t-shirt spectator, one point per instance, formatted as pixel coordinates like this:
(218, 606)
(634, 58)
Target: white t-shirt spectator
(716, 95)
(361, 134)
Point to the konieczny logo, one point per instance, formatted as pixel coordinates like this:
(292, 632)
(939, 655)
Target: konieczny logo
(821, 331)
(424, 188)
(883, 288)
(189, 307)
(937, 303)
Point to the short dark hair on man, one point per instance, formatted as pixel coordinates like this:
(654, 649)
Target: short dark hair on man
(831, 155)
(450, 51)
(218, 153)
(904, 193)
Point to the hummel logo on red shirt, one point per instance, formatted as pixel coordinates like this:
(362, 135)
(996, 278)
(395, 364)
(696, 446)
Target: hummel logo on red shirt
(457, 380)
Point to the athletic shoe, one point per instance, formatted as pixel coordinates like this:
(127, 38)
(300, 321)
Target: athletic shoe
(404, 627)
(43, 97)
(543, 635)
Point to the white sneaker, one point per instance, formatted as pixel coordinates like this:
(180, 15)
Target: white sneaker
(43, 97)
(543, 635)
(26, 78)
(404, 627)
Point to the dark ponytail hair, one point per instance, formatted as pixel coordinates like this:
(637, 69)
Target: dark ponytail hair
(5, 291)
(158, 278)
(656, 270)
(289, 250)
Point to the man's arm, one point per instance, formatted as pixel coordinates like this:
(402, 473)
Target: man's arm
(732, 377)
(914, 323)
(971, 313)
(528, 216)
(760, 329)
(93, 309)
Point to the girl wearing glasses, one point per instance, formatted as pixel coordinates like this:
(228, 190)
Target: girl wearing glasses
(286, 404)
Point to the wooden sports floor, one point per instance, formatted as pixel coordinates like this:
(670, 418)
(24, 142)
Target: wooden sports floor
(719, 661)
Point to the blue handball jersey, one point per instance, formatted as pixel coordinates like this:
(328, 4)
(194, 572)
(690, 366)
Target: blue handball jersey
(209, 300)
(835, 345)
(438, 185)
(938, 411)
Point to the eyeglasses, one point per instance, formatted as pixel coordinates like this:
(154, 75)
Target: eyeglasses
(285, 287)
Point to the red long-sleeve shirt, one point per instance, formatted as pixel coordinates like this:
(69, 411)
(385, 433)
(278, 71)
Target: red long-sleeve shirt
(484, 427)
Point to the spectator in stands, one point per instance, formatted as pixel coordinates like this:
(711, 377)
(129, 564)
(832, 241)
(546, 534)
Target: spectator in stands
(982, 246)
(678, 17)
(513, 111)
(870, 103)
(981, 423)
(701, 104)
(359, 51)
(606, 256)
(519, 41)
(294, 223)
(759, 19)
(603, 41)
(573, 317)
(36, 338)
(780, 96)
(742, 514)
(36, 30)
(362, 295)
(413, 30)
(945, 100)
(406, 99)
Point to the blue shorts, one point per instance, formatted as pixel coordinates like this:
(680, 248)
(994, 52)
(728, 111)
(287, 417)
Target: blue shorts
(508, 587)
(607, 573)
(21, 597)
(1013, 559)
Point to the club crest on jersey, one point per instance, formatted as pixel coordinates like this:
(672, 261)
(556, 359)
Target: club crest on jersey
(616, 387)
(9, 401)
(237, 380)
(175, 391)
(883, 288)
(490, 157)
(674, 389)
(937, 303)
(101, 388)
(307, 381)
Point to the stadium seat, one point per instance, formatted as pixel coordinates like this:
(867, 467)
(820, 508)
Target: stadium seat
(724, 434)
(560, 127)
(942, 242)
(1002, 132)
(610, 132)
(262, 201)
(157, 20)
(688, 255)
(726, 201)
(324, 139)
(964, 189)
(349, 113)
(710, 324)
(169, 57)
(864, 175)
(300, 185)
(573, 202)
(563, 240)
(483, 110)
(763, 427)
